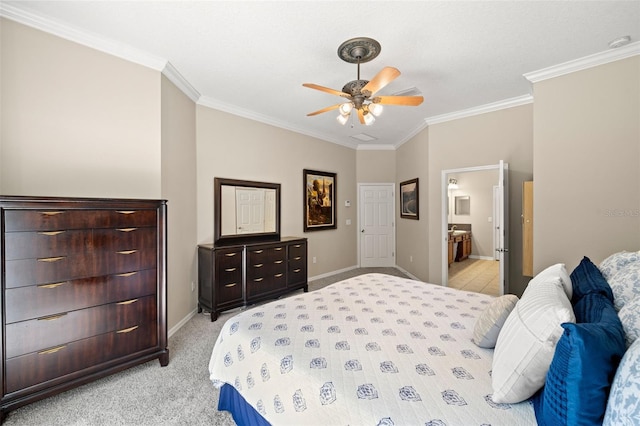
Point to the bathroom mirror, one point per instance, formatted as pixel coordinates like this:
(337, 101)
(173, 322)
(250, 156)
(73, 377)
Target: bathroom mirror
(245, 211)
(463, 205)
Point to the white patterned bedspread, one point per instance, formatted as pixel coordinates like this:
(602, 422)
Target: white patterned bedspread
(371, 350)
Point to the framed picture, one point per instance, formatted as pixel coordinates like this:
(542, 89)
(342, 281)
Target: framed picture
(319, 200)
(409, 205)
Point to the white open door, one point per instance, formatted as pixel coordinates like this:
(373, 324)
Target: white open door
(377, 231)
(503, 226)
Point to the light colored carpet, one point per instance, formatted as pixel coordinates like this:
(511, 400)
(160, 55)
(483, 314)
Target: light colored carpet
(179, 394)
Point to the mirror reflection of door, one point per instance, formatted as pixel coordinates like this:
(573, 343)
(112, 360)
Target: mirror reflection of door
(249, 211)
(477, 229)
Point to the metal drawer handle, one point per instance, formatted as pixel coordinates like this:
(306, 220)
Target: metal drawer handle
(297, 270)
(298, 245)
(297, 258)
(127, 274)
(278, 248)
(258, 279)
(230, 269)
(127, 251)
(52, 350)
(258, 251)
(277, 262)
(231, 285)
(51, 259)
(258, 265)
(278, 275)
(52, 317)
(54, 285)
(51, 213)
(126, 211)
(126, 229)
(51, 233)
(127, 302)
(230, 254)
(127, 330)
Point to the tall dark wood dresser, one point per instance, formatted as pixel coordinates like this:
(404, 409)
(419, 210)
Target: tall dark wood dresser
(83, 292)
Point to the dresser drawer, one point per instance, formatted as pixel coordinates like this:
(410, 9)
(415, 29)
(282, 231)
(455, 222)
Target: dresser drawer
(55, 330)
(40, 244)
(228, 275)
(297, 251)
(57, 219)
(27, 272)
(51, 299)
(55, 362)
(131, 260)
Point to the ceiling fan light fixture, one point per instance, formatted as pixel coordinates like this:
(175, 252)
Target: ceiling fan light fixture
(342, 118)
(369, 119)
(376, 109)
(345, 108)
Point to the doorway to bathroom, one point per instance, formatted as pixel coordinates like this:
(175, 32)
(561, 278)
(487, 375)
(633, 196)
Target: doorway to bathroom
(474, 228)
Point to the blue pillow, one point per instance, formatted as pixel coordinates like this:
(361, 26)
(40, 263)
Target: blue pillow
(586, 278)
(591, 308)
(587, 355)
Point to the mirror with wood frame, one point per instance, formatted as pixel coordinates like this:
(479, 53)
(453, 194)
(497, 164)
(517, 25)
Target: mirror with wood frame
(245, 211)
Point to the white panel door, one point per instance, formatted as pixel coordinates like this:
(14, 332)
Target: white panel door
(503, 226)
(377, 232)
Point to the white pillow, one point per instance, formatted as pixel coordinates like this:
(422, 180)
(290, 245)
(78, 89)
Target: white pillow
(623, 407)
(558, 270)
(625, 284)
(630, 319)
(527, 342)
(617, 261)
(490, 321)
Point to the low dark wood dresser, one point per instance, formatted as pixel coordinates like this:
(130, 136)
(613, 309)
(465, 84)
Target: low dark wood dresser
(83, 292)
(230, 276)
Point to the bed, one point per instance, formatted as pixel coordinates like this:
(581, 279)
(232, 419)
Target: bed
(382, 350)
(374, 349)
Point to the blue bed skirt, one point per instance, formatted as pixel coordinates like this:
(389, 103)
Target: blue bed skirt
(243, 414)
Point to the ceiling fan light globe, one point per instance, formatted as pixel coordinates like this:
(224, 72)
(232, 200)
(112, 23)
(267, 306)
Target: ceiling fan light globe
(345, 108)
(376, 109)
(342, 119)
(369, 119)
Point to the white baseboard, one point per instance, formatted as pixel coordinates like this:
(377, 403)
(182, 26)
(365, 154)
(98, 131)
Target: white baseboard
(182, 322)
(404, 271)
(329, 274)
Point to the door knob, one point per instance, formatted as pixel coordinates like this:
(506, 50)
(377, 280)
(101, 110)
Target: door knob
(362, 231)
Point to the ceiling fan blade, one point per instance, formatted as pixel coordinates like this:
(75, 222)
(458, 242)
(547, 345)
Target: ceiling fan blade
(327, 90)
(384, 77)
(329, 108)
(398, 100)
(361, 116)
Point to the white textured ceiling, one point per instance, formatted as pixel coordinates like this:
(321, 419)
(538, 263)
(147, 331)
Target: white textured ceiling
(251, 57)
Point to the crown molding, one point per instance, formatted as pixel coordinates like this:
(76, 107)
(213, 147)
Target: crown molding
(176, 78)
(374, 147)
(84, 38)
(482, 109)
(252, 115)
(590, 61)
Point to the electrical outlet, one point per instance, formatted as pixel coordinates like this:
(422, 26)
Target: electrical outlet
(314, 259)
(193, 286)
(410, 258)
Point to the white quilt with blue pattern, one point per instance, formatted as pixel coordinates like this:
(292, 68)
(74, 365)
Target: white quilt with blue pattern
(371, 350)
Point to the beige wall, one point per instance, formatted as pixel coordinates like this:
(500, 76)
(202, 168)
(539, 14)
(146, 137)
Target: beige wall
(412, 236)
(587, 164)
(376, 166)
(179, 188)
(233, 147)
(482, 140)
(76, 122)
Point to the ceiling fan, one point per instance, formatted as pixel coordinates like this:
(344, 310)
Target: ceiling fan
(360, 93)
